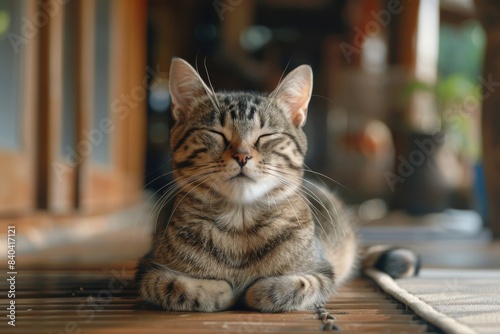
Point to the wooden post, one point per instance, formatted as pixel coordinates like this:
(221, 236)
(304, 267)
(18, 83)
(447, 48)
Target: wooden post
(403, 53)
(489, 13)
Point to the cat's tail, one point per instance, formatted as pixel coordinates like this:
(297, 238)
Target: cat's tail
(395, 261)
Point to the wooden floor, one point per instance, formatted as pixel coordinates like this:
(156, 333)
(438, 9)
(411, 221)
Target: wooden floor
(85, 285)
(104, 300)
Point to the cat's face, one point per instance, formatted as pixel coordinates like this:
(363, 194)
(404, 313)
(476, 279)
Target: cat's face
(239, 146)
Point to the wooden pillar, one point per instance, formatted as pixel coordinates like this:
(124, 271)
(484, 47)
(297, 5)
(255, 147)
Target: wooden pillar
(489, 13)
(402, 53)
(403, 33)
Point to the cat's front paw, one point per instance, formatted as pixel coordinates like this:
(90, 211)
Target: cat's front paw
(175, 292)
(213, 295)
(285, 293)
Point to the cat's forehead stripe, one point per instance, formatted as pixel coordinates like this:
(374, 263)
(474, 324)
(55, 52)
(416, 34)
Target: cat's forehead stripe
(222, 118)
(240, 106)
(251, 112)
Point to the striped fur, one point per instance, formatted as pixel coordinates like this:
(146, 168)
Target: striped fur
(245, 228)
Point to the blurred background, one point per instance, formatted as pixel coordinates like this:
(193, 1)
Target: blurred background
(402, 123)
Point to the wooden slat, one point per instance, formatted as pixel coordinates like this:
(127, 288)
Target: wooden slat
(135, 121)
(72, 299)
(60, 172)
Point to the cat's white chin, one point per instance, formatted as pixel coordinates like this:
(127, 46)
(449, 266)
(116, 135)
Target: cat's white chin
(244, 190)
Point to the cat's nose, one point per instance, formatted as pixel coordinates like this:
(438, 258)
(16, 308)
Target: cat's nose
(242, 158)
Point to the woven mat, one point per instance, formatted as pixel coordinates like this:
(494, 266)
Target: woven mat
(456, 301)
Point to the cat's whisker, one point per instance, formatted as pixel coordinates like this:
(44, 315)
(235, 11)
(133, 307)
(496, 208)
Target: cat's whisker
(331, 220)
(171, 193)
(211, 87)
(308, 170)
(323, 97)
(201, 171)
(338, 220)
(146, 202)
(210, 93)
(314, 211)
(155, 210)
(274, 94)
(160, 204)
(201, 180)
(155, 179)
(211, 189)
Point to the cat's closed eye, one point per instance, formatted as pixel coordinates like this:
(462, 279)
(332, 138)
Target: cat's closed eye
(223, 136)
(258, 141)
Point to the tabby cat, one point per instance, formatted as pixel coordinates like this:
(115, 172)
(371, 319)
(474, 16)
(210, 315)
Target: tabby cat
(245, 227)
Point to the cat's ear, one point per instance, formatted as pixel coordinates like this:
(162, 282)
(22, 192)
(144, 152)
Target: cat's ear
(294, 92)
(185, 85)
